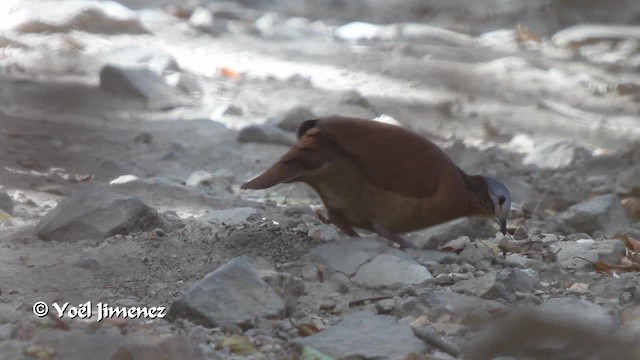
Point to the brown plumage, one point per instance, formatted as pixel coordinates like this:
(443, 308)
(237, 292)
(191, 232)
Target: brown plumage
(382, 178)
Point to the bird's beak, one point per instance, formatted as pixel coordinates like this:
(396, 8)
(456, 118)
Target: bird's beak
(503, 225)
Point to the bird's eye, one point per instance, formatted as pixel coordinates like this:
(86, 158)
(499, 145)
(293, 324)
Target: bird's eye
(501, 199)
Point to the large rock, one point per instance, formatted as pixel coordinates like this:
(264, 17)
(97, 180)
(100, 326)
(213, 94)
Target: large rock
(436, 236)
(498, 284)
(233, 294)
(555, 155)
(462, 309)
(348, 255)
(628, 181)
(392, 267)
(96, 213)
(139, 82)
(107, 17)
(363, 335)
(609, 251)
(602, 213)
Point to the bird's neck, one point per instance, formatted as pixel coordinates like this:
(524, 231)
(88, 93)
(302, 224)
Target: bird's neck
(479, 201)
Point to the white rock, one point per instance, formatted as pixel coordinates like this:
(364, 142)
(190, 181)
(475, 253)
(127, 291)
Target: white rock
(364, 335)
(555, 155)
(107, 17)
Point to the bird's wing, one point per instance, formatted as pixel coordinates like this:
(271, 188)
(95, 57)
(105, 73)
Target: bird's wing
(311, 151)
(392, 158)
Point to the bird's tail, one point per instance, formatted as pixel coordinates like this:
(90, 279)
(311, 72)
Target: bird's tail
(278, 173)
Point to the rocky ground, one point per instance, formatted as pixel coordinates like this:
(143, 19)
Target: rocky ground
(127, 129)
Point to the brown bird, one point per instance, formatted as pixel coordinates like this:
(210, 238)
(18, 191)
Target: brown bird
(383, 178)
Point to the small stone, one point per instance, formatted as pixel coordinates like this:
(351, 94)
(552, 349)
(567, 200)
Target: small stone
(364, 335)
(233, 294)
(354, 97)
(385, 306)
(296, 211)
(158, 232)
(290, 119)
(220, 179)
(144, 137)
(265, 134)
(202, 19)
(97, 213)
(171, 348)
(521, 233)
(88, 263)
(578, 289)
(438, 235)
(324, 232)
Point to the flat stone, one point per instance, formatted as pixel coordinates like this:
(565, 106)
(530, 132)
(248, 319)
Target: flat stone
(97, 213)
(233, 294)
(555, 155)
(266, 134)
(498, 284)
(233, 216)
(602, 213)
(347, 255)
(458, 308)
(393, 267)
(363, 335)
(609, 251)
(436, 236)
(6, 202)
(139, 82)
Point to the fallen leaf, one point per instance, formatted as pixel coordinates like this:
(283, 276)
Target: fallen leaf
(229, 73)
(523, 34)
(457, 245)
(4, 215)
(629, 242)
(508, 247)
(420, 321)
(319, 273)
(238, 344)
(306, 329)
(631, 206)
(40, 352)
(415, 356)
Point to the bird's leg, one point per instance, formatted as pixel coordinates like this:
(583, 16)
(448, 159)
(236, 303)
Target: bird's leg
(341, 223)
(396, 238)
(322, 217)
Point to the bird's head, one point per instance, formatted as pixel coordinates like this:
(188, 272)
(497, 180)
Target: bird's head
(500, 201)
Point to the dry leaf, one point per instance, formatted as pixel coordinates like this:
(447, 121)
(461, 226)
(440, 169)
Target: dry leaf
(415, 356)
(306, 329)
(229, 73)
(238, 344)
(629, 242)
(39, 352)
(457, 245)
(523, 34)
(631, 206)
(319, 273)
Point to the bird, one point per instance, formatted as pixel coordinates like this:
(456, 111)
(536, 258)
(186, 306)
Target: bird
(383, 178)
